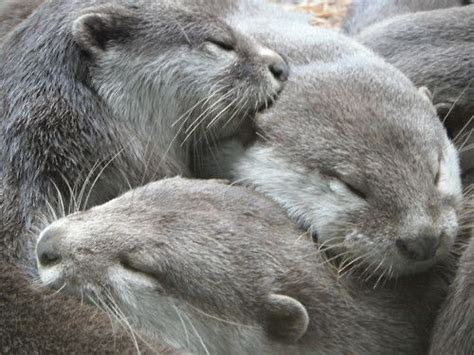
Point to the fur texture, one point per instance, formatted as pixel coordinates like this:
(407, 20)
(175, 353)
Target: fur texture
(352, 150)
(454, 328)
(13, 12)
(435, 49)
(192, 262)
(104, 97)
(35, 320)
(99, 96)
(364, 13)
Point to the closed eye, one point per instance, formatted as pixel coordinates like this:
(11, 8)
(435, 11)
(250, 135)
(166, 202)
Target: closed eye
(355, 190)
(437, 177)
(438, 172)
(226, 46)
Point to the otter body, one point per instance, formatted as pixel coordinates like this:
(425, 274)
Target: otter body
(435, 49)
(454, 327)
(364, 13)
(35, 320)
(193, 263)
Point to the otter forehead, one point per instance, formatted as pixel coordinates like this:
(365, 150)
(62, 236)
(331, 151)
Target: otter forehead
(169, 24)
(345, 117)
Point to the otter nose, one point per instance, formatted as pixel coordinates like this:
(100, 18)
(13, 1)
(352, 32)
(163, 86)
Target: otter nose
(421, 247)
(278, 66)
(280, 70)
(47, 249)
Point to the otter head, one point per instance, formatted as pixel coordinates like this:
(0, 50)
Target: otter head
(171, 66)
(188, 261)
(358, 155)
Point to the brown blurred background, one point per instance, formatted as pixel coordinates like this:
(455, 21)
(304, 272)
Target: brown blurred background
(327, 13)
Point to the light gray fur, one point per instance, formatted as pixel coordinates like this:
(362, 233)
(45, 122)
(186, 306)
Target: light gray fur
(364, 13)
(435, 49)
(348, 123)
(219, 269)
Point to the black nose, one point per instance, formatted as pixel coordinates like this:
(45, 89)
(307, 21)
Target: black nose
(418, 249)
(47, 249)
(280, 69)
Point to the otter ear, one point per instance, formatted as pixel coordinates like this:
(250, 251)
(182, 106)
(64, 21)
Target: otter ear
(285, 318)
(426, 93)
(97, 26)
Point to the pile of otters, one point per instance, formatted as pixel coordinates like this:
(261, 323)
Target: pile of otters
(222, 177)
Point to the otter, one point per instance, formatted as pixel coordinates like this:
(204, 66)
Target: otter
(352, 150)
(218, 269)
(364, 13)
(46, 322)
(104, 96)
(435, 49)
(101, 96)
(454, 327)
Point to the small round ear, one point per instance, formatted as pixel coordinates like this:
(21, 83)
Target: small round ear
(97, 26)
(285, 318)
(426, 93)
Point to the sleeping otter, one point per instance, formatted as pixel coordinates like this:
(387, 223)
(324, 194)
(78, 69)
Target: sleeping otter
(219, 269)
(99, 97)
(352, 150)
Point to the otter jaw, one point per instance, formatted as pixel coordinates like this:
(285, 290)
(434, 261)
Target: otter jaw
(323, 205)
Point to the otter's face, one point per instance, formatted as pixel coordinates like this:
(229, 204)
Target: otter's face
(173, 253)
(367, 167)
(181, 65)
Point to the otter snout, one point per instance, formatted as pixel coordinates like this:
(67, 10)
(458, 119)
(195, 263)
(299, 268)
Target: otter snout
(47, 249)
(278, 67)
(420, 247)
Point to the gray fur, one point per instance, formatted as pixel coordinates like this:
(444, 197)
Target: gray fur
(117, 90)
(237, 272)
(192, 262)
(34, 320)
(364, 13)
(13, 12)
(454, 328)
(435, 49)
(97, 97)
(352, 150)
